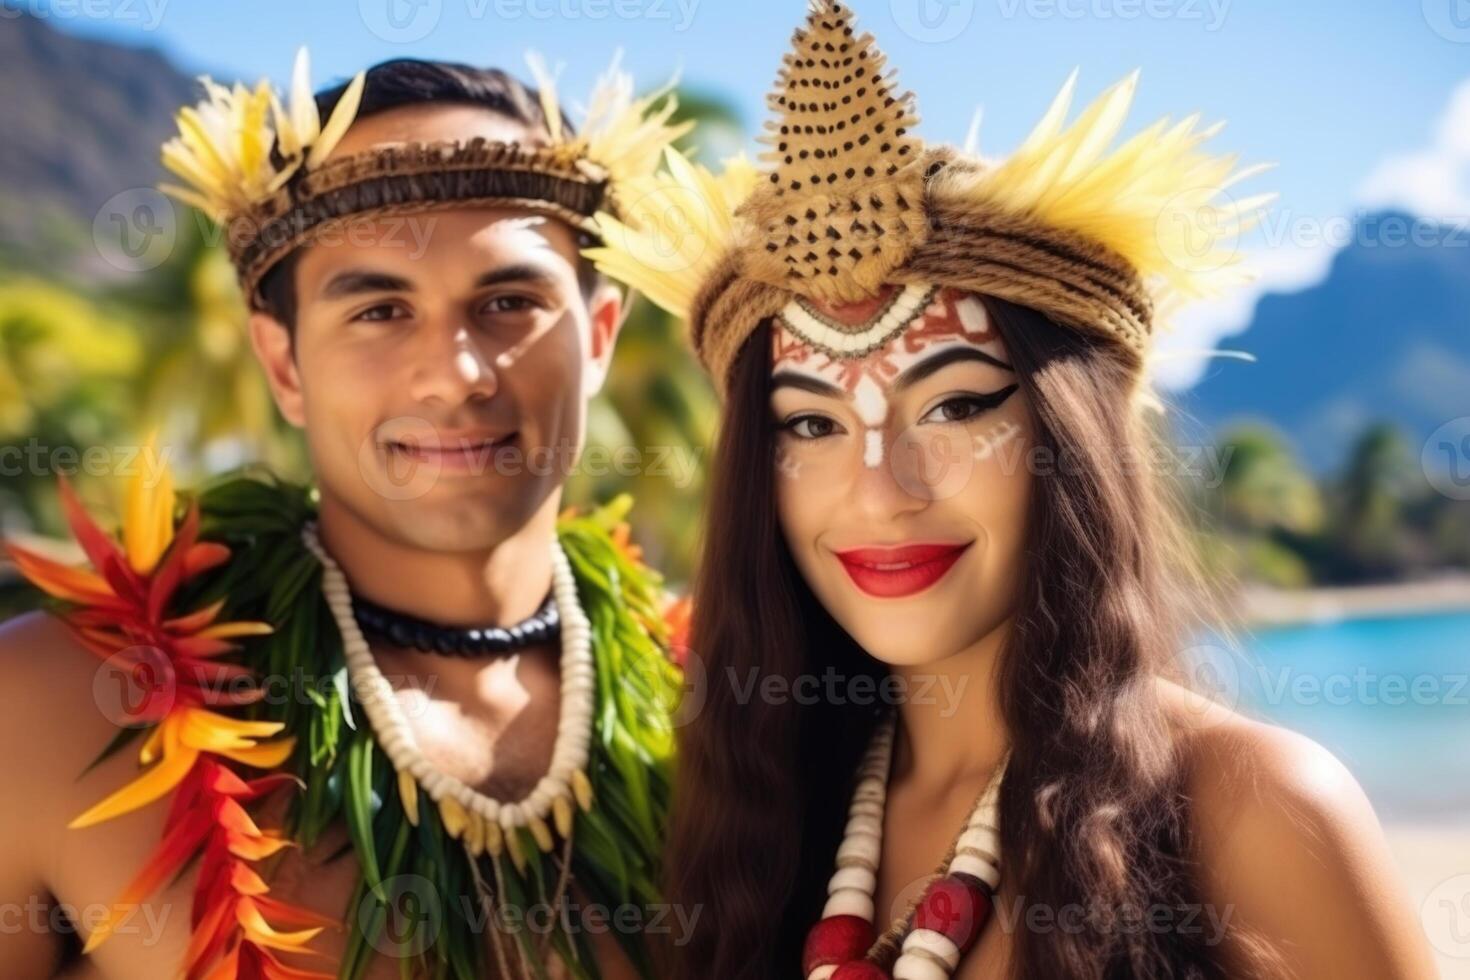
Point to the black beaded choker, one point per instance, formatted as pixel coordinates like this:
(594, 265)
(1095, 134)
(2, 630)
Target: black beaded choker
(404, 630)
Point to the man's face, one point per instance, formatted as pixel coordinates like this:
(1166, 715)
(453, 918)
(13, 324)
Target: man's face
(442, 360)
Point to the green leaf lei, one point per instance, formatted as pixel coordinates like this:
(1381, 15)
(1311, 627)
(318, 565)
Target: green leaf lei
(272, 576)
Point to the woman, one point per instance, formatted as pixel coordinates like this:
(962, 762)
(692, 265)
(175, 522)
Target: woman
(943, 590)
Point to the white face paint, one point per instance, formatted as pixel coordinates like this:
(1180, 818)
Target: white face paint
(951, 319)
(987, 444)
(872, 407)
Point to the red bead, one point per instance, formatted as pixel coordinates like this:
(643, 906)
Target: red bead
(836, 939)
(955, 907)
(860, 970)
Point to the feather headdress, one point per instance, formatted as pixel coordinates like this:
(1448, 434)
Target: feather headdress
(1094, 235)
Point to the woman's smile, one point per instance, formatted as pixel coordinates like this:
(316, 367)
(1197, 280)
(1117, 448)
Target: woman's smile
(896, 572)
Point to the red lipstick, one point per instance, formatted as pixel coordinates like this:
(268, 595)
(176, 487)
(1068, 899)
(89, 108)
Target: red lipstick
(892, 573)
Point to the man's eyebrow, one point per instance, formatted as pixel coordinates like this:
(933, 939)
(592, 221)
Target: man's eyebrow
(526, 272)
(943, 359)
(351, 282)
(805, 382)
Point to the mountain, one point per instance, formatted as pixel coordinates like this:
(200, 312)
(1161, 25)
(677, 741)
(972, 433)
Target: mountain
(83, 121)
(1385, 337)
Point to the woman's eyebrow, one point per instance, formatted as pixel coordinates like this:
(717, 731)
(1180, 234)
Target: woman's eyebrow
(943, 359)
(805, 382)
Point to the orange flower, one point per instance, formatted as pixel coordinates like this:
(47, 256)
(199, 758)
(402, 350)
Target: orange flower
(120, 609)
(677, 615)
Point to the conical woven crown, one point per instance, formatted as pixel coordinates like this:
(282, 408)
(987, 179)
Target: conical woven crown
(844, 204)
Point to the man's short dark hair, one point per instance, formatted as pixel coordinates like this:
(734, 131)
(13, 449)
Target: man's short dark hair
(411, 81)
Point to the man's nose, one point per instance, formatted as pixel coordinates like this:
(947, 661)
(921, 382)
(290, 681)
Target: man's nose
(450, 367)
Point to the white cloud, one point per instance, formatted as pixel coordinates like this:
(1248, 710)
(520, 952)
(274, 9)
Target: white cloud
(1179, 356)
(1432, 183)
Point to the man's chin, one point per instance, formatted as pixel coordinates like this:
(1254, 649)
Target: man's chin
(466, 523)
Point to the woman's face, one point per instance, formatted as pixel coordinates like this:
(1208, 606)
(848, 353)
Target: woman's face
(902, 479)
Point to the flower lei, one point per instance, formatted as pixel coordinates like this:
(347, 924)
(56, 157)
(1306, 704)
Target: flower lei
(121, 609)
(152, 603)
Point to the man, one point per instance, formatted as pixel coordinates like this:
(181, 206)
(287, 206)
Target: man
(422, 312)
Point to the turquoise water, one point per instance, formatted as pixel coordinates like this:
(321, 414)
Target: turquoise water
(1389, 696)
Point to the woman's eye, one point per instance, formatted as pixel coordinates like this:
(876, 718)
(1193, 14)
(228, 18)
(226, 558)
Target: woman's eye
(962, 408)
(811, 427)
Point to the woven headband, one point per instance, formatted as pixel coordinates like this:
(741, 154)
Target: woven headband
(264, 172)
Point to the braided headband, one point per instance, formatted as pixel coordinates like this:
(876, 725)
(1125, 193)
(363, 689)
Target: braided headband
(413, 177)
(264, 172)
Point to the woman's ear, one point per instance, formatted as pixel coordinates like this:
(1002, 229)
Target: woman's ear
(274, 348)
(605, 321)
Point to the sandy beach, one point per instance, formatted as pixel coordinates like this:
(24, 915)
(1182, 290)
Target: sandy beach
(1261, 606)
(1435, 862)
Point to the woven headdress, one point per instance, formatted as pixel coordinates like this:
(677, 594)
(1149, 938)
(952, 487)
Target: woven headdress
(261, 169)
(854, 208)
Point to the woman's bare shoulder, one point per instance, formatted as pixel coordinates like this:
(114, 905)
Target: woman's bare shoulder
(1288, 845)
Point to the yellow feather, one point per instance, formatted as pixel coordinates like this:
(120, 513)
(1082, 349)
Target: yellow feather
(306, 122)
(546, 89)
(624, 135)
(1158, 200)
(337, 124)
(679, 223)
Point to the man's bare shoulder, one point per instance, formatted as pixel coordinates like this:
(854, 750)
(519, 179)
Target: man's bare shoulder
(50, 715)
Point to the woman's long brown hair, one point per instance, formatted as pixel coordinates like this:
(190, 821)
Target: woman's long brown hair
(1093, 810)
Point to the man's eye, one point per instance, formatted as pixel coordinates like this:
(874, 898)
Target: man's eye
(383, 311)
(962, 408)
(811, 426)
(510, 304)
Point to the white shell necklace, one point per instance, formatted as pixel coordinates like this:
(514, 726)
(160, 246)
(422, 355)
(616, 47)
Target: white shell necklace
(485, 823)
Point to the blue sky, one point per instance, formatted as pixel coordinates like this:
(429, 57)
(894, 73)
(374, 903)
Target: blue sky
(1328, 90)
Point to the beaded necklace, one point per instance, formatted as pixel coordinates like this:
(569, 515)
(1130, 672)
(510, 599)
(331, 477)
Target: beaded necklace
(943, 925)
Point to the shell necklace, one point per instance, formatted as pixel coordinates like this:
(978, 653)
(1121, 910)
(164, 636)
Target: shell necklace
(946, 921)
(485, 824)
